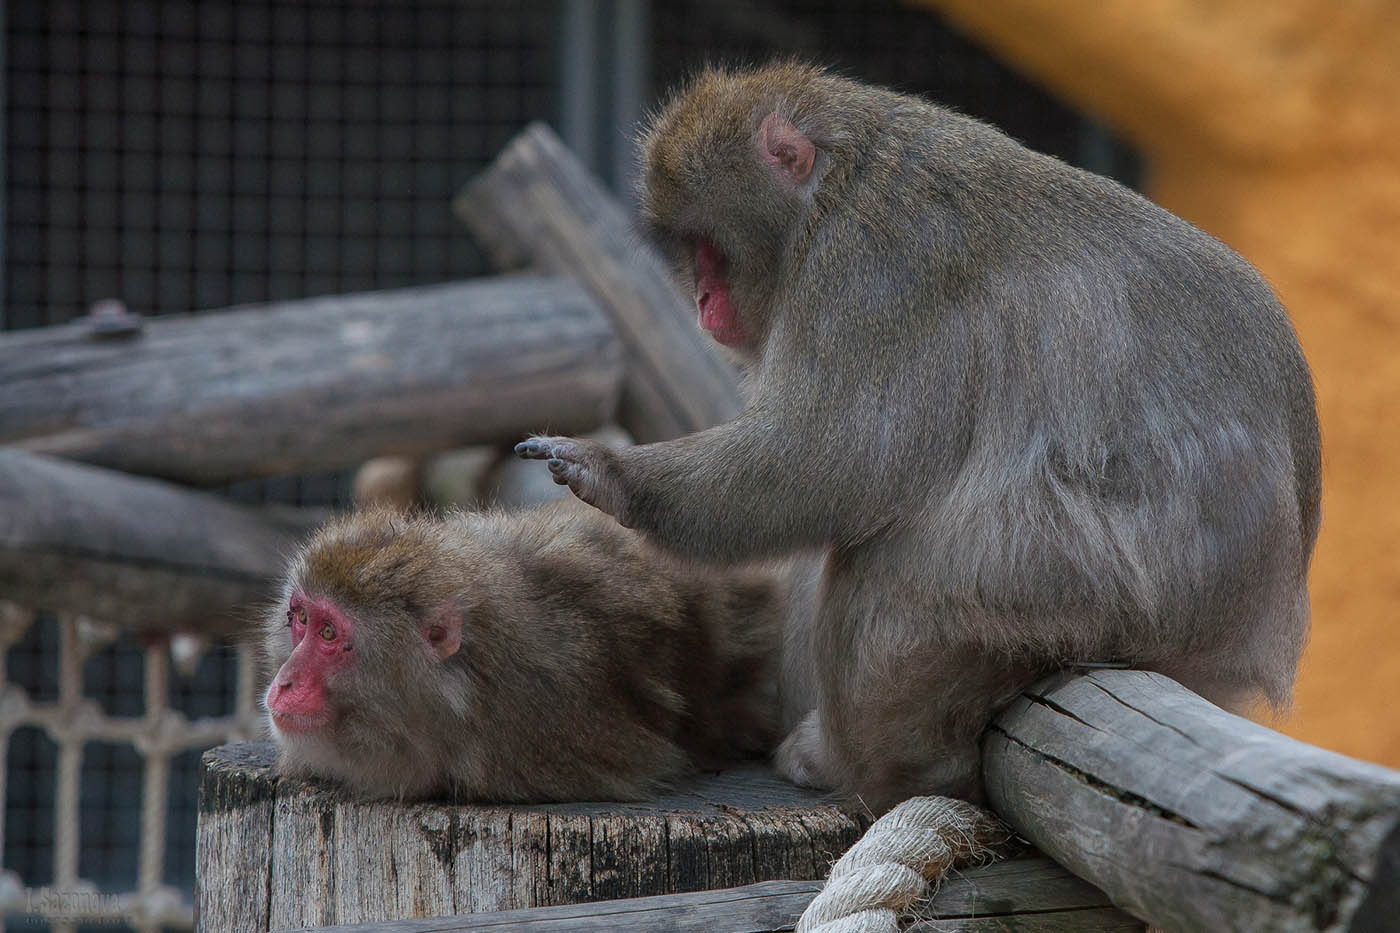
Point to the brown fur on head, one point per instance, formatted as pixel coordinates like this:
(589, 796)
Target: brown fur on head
(545, 655)
(701, 178)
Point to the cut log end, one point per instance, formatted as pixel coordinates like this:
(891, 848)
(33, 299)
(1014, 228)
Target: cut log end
(1190, 817)
(317, 856)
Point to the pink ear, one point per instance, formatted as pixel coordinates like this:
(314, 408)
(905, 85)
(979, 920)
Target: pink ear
(786, 148)
(444, 633)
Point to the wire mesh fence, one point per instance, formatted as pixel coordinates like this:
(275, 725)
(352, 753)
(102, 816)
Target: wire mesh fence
(185, 155)
(182, 156)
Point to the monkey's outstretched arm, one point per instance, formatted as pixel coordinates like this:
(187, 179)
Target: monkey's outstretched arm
(743, 489)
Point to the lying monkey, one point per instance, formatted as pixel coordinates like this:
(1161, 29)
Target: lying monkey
(531, 656)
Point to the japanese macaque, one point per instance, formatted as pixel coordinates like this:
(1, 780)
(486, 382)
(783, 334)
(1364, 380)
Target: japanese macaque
(530, 656)
(1035, 418)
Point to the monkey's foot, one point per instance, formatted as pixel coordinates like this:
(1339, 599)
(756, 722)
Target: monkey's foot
(588, 468)
(799, 756)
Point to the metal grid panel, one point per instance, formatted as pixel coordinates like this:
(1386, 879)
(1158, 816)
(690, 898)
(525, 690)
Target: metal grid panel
(185, 155)
(95, 792)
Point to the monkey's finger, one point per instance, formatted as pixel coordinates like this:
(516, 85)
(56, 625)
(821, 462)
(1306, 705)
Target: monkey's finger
(559, 468)
(535, 448)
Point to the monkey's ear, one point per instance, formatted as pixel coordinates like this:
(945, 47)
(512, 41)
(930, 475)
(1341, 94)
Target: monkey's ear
(444, 633)
(787, 148)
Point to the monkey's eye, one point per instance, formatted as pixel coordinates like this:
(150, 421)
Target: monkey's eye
(328, 632)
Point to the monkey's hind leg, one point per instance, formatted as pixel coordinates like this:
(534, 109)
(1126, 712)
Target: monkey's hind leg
(904, 715)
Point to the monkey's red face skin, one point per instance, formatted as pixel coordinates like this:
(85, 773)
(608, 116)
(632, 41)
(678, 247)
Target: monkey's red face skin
(323, 640)
(712, 298)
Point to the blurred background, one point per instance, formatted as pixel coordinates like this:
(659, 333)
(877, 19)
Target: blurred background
(188, 156)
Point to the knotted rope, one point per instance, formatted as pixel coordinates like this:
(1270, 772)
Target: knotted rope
(890, 869)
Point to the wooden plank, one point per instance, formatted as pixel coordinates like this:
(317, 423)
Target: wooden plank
(334, 859)
(318, 384)
(768, 905)
(391, 861)
(487, 868)
(137, 552)
(233, 854)
(537, 203)
(1022, 885)
(1093, 919)
(303, 888)
(1023, 894)
(1189, 817)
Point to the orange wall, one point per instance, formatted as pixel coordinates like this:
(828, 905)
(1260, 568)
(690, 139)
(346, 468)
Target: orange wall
(1275, 125)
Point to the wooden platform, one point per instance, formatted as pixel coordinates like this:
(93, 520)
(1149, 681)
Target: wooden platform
(278, 853)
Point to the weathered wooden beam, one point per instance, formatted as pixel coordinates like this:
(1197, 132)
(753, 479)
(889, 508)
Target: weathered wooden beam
(538, 204)
(1022, 894)
(1191, 818)
(318, 384)
(279, 854)
(137, 552)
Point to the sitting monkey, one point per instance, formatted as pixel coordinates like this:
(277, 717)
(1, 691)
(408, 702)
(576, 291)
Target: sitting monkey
(1034, 417)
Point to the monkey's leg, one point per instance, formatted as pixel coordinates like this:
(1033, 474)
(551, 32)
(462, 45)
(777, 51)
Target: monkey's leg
(888, 743)
(905, 690)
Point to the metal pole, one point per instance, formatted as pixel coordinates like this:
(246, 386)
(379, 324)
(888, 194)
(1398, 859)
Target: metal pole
(578, 79)
(4, 144)
(631, 72)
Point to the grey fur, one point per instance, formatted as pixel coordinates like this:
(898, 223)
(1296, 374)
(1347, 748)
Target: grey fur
(1035, 417)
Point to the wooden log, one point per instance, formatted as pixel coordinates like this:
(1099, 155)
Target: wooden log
(1192, 818)
(235, 831)
(317, 384)
(1030, 894)
(133, 551)
(538, 204)
(321, 857)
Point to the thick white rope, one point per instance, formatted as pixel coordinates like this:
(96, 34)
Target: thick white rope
(890, 869)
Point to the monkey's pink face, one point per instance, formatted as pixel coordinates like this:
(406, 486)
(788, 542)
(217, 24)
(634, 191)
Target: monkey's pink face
(713, 299)
(323, 641)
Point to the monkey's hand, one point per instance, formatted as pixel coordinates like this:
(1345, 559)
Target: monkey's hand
(588, 468)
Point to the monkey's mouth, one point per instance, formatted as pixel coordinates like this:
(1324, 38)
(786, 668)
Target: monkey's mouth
(712, 298)
(297, 724)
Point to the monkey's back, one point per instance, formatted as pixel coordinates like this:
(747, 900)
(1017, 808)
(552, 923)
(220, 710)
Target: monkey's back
(1121, 442)
(627, 666)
